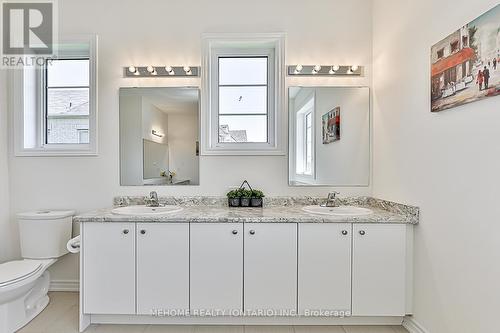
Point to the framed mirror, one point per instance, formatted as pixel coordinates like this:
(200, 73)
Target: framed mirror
(329, 136)
(159, 136)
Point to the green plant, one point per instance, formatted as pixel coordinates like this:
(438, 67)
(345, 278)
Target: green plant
(245, 193)
(258, 194)
(233, 194)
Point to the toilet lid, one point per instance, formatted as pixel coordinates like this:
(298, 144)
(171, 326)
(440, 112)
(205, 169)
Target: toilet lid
(17, 270)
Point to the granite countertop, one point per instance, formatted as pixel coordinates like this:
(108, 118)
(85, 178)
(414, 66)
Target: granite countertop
(281, 210)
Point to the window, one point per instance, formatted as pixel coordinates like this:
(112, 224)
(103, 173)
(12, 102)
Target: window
(304, 139)
(440, 53)
(243, 85)
(308, 144)
(454, 46)
(57, 102)
(243, 99)
(67, 96)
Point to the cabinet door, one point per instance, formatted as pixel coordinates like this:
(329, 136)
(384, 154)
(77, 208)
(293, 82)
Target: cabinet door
(216, 266)
(108, 268)
(162, 267)
(270, 266)
(324, 267)
(379, 269)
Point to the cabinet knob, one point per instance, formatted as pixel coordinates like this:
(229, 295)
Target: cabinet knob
(361, 232)
(143, 232)
(252, 232)
(125, 231)
(235, 232)
(344, 232)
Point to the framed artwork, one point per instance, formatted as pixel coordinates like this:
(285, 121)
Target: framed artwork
(331, 126)
(465, 65)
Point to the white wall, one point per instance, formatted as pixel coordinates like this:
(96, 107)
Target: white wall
(182, 137)
(447, 163)
(168, 32)
(8, 234)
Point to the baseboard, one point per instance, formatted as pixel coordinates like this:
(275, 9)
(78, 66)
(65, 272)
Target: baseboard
(412, 326)
(64, 285)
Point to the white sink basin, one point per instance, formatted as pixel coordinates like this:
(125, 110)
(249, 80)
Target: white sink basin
(146, 211)
(338, 211)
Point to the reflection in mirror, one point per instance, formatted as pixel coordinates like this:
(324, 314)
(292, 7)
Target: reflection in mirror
(329, 136)
(159, 136)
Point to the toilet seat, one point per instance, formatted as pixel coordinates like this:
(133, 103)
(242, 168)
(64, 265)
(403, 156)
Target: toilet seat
(15, 271)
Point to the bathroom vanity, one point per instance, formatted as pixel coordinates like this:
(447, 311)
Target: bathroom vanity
(210, 264)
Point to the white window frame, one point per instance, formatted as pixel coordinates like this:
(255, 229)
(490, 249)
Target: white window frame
(230, 44)
(41, 148)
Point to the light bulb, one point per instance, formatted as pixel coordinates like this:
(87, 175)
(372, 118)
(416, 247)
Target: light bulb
(354, 68)
(187, 69)
(132, 69)
(150, 69)
(168, 69)
(298, 68)
(317, 68)
(331, 71)
(335, 68)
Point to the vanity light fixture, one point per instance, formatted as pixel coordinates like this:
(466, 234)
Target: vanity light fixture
(156, 133)
(325, 70)
(169, 70)
(316, 69)
(152, 70)
(161, 71)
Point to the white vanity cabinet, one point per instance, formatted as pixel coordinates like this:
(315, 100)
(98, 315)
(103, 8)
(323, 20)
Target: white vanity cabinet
(109, 268)
(130, 270)
(216, 266)
(270, 266)
(379, 272)
(162, 267)
(324, 267)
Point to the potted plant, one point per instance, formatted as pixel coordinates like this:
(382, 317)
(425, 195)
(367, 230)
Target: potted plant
(256, 200)
(245, 197)
(233, 198)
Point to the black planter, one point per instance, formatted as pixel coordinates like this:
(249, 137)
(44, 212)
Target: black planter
(256, 202)
(245, 202)
(233, 202)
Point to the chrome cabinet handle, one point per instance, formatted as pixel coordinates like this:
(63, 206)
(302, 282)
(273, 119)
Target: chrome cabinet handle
(252, 232)
(344, 232)
(125, 231)
(235, 232)
(361, 232)
(143, 232)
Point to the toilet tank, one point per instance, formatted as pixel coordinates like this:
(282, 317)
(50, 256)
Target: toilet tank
(44, 234)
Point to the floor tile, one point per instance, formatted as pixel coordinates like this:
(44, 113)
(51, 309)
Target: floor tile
(368, 329)
(319, 329)
(399, 329)
(101, 328)
(169, 329)
(218, 329)
(268, 329)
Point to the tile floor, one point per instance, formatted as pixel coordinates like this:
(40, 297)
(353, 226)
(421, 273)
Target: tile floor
(61, 316)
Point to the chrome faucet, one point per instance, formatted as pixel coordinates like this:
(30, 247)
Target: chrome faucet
(152, 200)
(331, 200)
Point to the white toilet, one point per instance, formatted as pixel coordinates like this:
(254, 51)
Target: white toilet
(24, 283)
